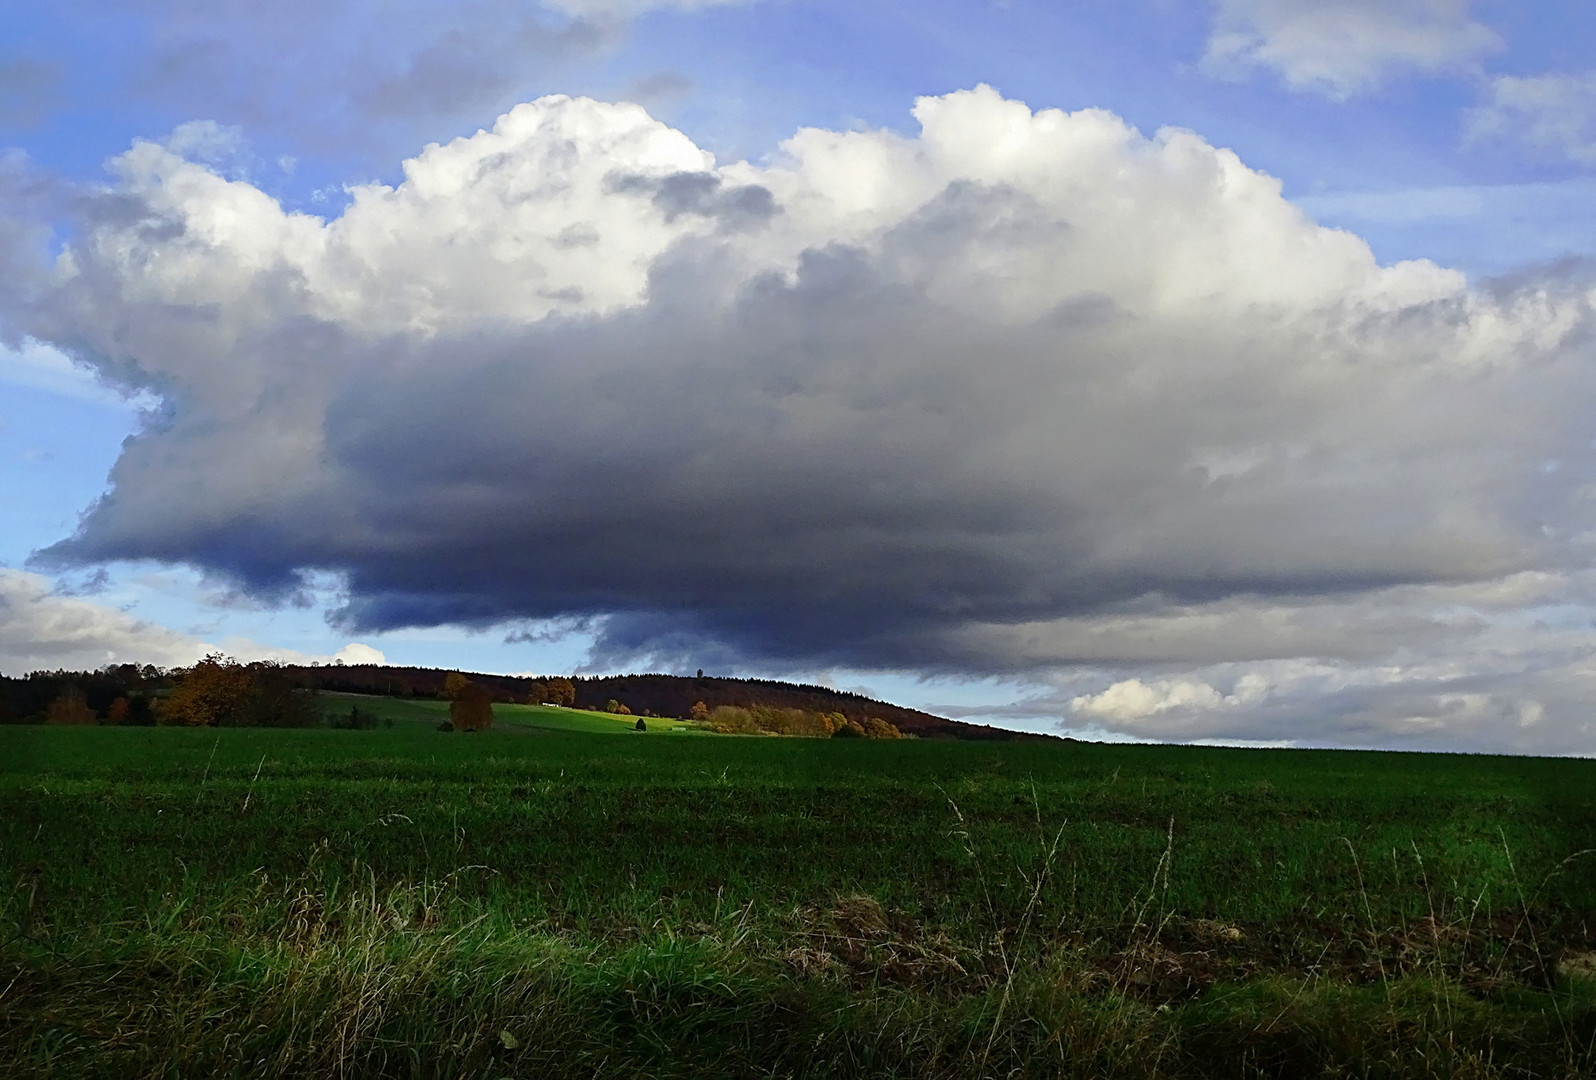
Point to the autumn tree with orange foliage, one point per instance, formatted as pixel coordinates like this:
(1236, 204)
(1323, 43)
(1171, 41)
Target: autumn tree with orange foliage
(768, 720)
(472, 708)
(221, 692)
(872, 727)
(561, 692)
(71, 707)
(554, 691)
(210, 694)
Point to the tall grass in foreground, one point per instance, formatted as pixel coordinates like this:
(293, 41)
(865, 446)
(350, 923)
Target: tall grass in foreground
(381, 904)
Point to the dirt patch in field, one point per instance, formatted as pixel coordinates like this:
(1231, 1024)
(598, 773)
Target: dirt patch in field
(859, 941)
(1577, 967)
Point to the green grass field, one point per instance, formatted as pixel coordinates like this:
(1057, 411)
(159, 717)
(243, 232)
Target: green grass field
(412, 712)
(541, 901)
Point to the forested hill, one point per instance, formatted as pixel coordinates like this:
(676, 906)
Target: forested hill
(663, 695)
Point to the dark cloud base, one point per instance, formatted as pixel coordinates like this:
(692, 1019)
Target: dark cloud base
(1024, 392)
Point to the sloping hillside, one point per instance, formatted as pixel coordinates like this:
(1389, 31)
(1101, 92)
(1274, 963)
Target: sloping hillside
(664, 695)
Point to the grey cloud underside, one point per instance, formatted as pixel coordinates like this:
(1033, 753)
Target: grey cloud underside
(746, 206)
(836, 470)
(970, 403)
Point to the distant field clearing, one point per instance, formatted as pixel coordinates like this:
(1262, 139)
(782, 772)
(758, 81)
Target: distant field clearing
(417, 711)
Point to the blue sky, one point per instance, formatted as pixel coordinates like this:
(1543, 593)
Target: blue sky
(1442, 130)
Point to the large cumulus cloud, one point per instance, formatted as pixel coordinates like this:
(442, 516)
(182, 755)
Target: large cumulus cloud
(1022, 390)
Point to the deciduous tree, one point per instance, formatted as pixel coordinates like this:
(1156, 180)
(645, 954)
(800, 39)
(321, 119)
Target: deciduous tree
(561, 692)
(70, 708)
(453, 684)
(220, 692)
(211, 693)
(472, 708)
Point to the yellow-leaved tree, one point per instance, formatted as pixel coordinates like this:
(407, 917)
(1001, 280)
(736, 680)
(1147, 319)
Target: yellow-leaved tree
(209, 694)
(472, 708)
(71, 707)
(561, 692)
(220, 692)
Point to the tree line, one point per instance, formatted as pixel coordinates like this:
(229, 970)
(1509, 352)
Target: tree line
(774, 720)
(221, 691)
(649, 694)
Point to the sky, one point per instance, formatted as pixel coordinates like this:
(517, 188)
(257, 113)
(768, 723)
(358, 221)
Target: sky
(1168, 370)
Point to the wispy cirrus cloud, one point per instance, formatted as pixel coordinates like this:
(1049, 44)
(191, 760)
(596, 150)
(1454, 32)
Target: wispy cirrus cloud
(347, 80)
(1343, 48)
(1552, 114)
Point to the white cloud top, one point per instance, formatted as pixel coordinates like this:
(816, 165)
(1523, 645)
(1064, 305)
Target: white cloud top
(1022, 391)
(1133, 699)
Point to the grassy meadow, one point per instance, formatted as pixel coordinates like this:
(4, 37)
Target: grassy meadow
(428, 712)
(564, 896)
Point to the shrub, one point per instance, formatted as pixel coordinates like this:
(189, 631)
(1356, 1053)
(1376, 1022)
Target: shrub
(877, 728)
(139, 712)
(357, 720)
(769, 719)
(732, 720)
(794, 722)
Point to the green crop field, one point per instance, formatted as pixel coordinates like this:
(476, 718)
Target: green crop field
(541, 901)
(411, 712)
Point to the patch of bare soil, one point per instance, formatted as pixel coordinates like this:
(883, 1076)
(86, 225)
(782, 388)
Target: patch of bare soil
(859, 941)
